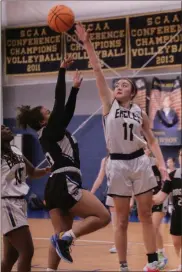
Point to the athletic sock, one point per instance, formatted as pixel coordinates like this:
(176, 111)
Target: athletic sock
(69, 233)
(152, 257)
(161, 250)
(123, 264)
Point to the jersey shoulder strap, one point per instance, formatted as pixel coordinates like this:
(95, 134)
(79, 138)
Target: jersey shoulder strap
(114, 105)
(16, 150)
(136, 108)
(178, 173)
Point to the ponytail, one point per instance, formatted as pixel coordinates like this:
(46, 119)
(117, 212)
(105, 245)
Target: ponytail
(29, 117)
(23, 117)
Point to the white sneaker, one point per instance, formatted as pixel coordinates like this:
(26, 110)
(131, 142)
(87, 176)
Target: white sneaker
(163, 260)
(113, 249)
(123, 269)
(153, 267)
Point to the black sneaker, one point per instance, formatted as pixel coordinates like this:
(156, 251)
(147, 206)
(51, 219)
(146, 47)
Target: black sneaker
(63, 248)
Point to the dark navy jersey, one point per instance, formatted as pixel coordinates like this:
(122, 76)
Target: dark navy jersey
(175, 186)
(59, 146)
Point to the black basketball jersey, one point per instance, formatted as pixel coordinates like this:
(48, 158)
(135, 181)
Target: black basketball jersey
(61, 153)
(59, 146)
(175, 186)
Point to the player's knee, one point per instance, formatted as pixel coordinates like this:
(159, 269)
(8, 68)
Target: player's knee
(105, 217)
(122, 223)
(145, 216)
(177, 242)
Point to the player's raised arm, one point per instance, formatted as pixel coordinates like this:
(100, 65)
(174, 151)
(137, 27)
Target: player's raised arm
(56, 120)
(105, 93)
(71, 103)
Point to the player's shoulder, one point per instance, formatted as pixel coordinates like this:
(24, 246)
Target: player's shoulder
(176, 174)
(114, 104)
(173, 174)
(136, 108)
(16, 150)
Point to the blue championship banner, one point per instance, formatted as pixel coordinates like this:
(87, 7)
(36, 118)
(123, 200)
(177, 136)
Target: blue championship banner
(32, 50)
(109, 40)
(165, 111)
(149, 33)
(140, 98)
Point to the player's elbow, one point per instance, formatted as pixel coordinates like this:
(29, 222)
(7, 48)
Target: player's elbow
(96, 67)
(151, 141)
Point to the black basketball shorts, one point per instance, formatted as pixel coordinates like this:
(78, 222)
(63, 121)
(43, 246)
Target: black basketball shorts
(176, 222)
(63, 191)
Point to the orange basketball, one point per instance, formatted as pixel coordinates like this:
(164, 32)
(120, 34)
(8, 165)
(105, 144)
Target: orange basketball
(60, 18)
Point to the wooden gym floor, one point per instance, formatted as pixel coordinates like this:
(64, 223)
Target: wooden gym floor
(91, 252)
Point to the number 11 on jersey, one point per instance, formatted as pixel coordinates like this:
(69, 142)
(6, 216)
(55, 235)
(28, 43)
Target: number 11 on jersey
(128, 128)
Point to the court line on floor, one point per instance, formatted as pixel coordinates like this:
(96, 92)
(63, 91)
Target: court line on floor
(102, 241)
(42, 267)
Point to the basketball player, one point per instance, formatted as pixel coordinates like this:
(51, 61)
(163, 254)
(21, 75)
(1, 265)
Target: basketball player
(158, 211)
(174, 186)
(170, 168)
(129, 168)
(171, 164)
(64, 195)
(109, 201)
(17, 240)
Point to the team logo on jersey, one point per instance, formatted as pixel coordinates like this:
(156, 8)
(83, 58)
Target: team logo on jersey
(128, 115)
(177, 192)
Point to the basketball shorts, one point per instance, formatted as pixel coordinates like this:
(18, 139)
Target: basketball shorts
(161, 208)
(14, 214)
(176, 222)
(127, 176)
(63, 191)
(109, 201)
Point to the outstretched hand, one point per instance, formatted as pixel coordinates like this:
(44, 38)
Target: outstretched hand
(77, 79)
(82, 33)
(66, 63)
